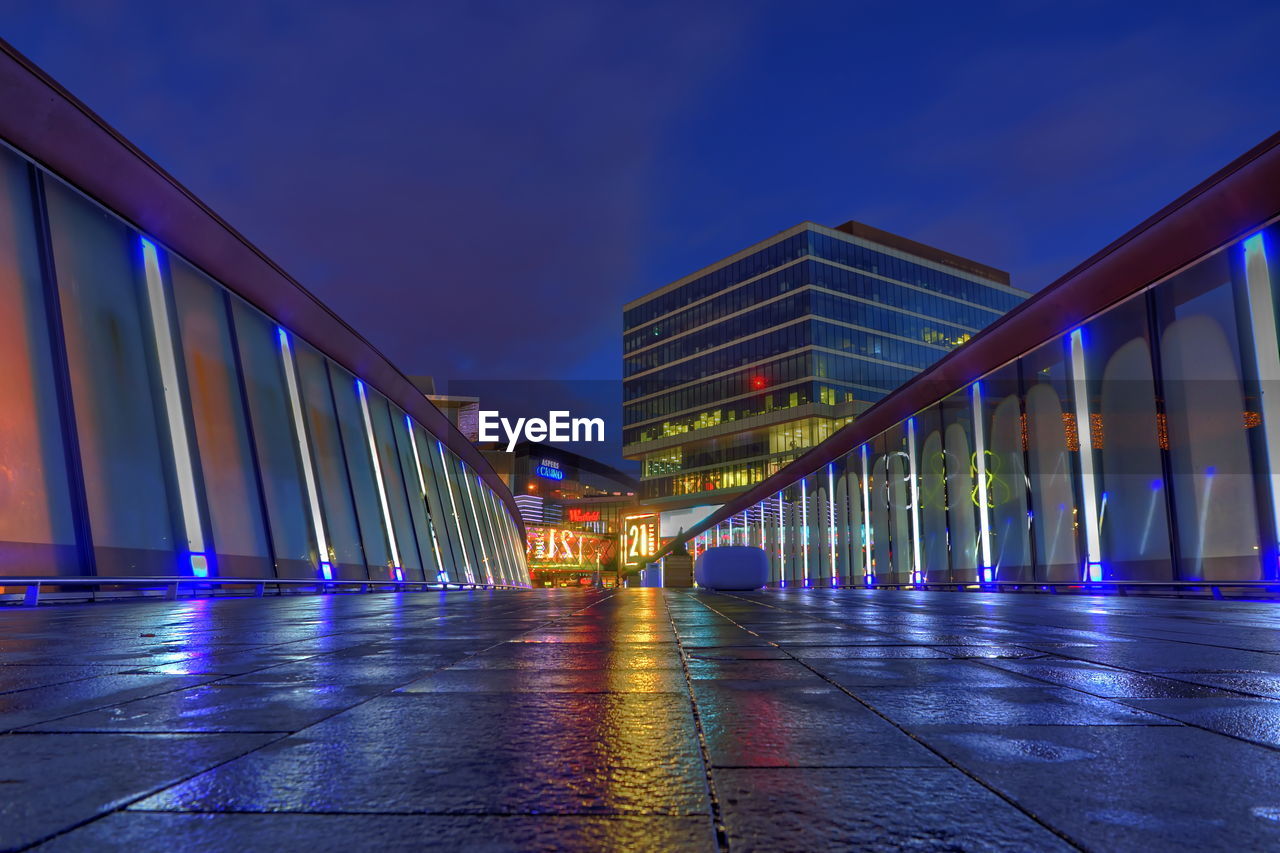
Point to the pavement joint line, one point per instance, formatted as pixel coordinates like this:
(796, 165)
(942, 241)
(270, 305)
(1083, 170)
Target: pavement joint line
(1021, 808)
(123, 806)
(161, 733)
(68, 681)
(20, 729)
(373, 813)
(717, 818)
(1119, 700)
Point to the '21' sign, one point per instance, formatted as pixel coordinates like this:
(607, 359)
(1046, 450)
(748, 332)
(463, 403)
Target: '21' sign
(639, 539)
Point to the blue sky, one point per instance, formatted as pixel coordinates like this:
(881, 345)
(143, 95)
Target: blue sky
(478, 187)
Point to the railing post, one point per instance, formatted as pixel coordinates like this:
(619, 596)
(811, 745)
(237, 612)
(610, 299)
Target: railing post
(259, 590)
(32, 596)
(171, 593)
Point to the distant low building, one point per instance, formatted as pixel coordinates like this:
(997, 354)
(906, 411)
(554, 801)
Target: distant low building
(462, 412)
(574, 510)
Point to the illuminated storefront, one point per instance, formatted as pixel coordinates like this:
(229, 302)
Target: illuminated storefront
(558, 488)
(560, 557)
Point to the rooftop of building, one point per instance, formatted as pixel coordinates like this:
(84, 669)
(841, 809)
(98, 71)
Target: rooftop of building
(912, 247)
(950, 262)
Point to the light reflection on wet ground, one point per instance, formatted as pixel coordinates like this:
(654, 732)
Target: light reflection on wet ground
(645, 719)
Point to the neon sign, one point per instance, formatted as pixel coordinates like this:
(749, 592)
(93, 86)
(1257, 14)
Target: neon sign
(550, 469)
(577, 514)
(639, 539)
(556, 546)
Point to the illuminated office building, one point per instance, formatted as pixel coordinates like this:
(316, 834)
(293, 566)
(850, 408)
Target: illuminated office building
(732, 372)
(176, 406)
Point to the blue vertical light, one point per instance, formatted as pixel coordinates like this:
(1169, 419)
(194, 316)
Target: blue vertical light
(323, 552)
(1266, 355)
(168, 354)
(804, 530)
(980, 464)
(868, 567)
(1088, 477)
(832, 535)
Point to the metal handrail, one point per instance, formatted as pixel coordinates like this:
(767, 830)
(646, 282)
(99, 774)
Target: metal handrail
(1052, 586)
(174, 584)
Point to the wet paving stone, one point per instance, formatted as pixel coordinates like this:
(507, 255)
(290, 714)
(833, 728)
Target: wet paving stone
(218, 707)
(540, 656)
(1255, 682)
(723, 653)
(155, 832)
(15, 677)
(650, 680)
(1256, 720)
(1107, 681)
(1129, 788)
(43, 704)
(871, 809)
(985, 652)
(565, 719)
(597, 636)
(1010, 706)
(862, 652)
(754, 724)
(524, 753)
(51, 782)
(723, 640)
(941, 673)
(771, 671)
(383, 672)
(1157, 656)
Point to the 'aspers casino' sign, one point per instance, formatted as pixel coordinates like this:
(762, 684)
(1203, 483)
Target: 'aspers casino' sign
(550, 469)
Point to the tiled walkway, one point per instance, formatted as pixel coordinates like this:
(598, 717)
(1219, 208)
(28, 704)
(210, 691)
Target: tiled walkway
(642, 720)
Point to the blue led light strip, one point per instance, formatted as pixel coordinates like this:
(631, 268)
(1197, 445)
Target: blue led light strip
(980, 464)
(325, 558)
(457, 520)
(175, 414)
(377, 476)
(1088, 478)
(1262, 314)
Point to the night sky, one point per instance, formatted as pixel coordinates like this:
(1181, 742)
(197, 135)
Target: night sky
(479, 187)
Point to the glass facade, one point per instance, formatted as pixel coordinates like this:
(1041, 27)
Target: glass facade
(814, 323)
(1137, 446)
(157, 425)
